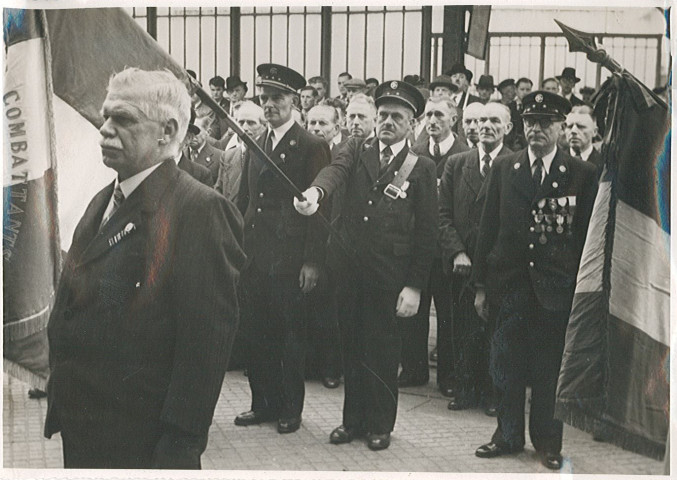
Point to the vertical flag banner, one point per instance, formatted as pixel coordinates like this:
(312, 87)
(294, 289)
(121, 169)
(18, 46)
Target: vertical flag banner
(63, 58)
(31, 253)
(614, 379)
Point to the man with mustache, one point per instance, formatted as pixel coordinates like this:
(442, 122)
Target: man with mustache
(139, 346)
(531, 235)
(285, 251)
(382, 258)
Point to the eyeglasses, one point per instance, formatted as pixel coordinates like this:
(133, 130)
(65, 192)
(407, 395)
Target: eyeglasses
(543, 122)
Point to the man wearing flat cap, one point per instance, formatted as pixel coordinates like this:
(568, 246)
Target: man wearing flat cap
(567, 81)
(284, 249)
(531, 235)
(382, 258)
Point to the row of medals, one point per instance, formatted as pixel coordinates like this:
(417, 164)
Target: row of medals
(559, 217)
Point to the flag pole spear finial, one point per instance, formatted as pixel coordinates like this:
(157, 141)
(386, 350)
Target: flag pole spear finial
(585, 42)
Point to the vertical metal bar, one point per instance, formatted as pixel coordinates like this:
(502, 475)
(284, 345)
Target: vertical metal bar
(364, 57)
(325, 44)
(254, 44)
(169, 29)
(426, 30)
(184, 37)
(216, 42)
(199, 41)
(402, 46)
(235, 29)
(487, 60)
(270, 36)
(271, 26)
(541, 65)
(305, 38)
(348, 12)
(383, 48)
(151, 22)
(659, 59)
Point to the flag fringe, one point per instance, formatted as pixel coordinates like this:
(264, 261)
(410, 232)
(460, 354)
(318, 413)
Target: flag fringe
(582, 419)
(27, 376)
(27, 326)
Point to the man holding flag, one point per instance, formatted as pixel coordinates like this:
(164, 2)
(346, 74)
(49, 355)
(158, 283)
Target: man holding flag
(139, 346)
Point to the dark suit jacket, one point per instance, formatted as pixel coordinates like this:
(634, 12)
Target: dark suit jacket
(423, 148)
(461, 198)
(509, 239)
(210, 157)
(596, 159)
(145, 314)
(195, 170)
(576, 101)
(278, 239)
(515, 140)
(394, 239)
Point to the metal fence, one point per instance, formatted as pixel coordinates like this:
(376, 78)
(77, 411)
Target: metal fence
(541, 55)
(381, 42)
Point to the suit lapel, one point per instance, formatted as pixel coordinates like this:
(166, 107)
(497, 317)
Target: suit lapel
(287, 143)
(370, 159)
(520, 175)
(129, 218)
(556, 179)
(471, 173)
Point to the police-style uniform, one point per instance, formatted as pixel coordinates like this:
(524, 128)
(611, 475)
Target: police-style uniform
(278, 242)
(528, 250)
(387, 242)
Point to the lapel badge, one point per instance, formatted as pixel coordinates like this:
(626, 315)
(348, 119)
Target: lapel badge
(282, 156)
(292, 142)
(555, 184)
(208, 159)
(562, 168)
(516, 166)
(129, 228)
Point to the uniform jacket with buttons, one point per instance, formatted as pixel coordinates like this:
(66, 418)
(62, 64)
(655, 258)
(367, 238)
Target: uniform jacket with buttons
(462, 194)
(278, 239)
(392, 242)
(146, 310)
(209, 157)
(510, 256)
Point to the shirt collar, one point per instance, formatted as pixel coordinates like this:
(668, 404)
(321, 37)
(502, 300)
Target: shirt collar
(396, 147)
(493, 154)
(584, 153)
(130, 184)
(233, 142)
(445, 145)
(547, 160)
(337, 139)
(283, 129)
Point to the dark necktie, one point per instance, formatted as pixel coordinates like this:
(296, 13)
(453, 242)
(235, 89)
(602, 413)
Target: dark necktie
(486, 164)
(118, 198)
(268, 146)
(194, 154)
(386, 155)
(577, 153)
(436, 149)
(474, 146)
(538, 173)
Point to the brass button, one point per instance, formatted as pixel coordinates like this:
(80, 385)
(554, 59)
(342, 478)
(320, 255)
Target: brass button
(531, 229)
(261, 195)
(258, 210)
(366, 219)
(531, 264)
(370, 202)
(531, 246)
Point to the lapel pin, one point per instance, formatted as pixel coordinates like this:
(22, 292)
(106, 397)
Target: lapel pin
(516, 166)
(282, 156)
(121, 234)
(555, 184)
(292, 142)
(562, 168)
(208, 159)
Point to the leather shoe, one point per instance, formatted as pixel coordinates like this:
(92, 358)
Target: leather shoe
(252, 418)
(343, 434)
(288, 425)
(331, 382)
(378, 441)
(407, 379)
(459, 403)
(553, 461)
(491, 450)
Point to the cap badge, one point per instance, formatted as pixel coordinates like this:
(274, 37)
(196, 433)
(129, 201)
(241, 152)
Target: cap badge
(394, 85)
(273, 71)
(538, 98)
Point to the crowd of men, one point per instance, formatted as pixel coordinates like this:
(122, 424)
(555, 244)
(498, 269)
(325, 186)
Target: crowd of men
(431, 193)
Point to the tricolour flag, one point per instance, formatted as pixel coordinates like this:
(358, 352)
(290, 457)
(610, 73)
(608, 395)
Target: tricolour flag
(614, 379)
(57, 70)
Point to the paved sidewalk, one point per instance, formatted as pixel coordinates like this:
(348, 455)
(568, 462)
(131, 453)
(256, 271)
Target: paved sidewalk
(428, 438)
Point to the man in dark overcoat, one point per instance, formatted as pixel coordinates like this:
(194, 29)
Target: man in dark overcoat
(533, 227)
(382, 259)
(462, 194)
(285, 251)
(146, 309)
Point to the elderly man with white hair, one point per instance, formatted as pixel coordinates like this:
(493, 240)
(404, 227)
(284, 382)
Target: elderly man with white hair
(146, 309)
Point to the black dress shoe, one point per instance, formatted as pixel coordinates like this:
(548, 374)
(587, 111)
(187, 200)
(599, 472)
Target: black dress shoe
(553, 461)
(491, 450)
(378, 441)
(253, 418)
(344, 434)
(288, 425)
(331, 382)
(36, 393)
(407, 379)
(459, 403)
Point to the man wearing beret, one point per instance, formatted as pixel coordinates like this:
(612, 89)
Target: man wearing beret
(532, 230)
(382, 258)
(284, 250)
